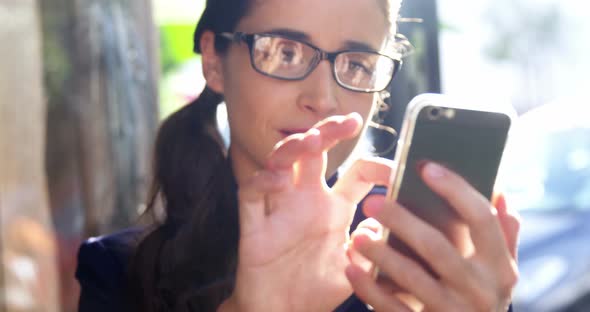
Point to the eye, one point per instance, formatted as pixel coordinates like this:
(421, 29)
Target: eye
(287, 55)
(358, 66)
(289, 52)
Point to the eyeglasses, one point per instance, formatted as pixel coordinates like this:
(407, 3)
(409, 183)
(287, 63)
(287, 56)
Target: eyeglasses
(288, 59)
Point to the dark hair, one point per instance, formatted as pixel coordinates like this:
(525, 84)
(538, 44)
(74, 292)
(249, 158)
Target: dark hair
(187, 261)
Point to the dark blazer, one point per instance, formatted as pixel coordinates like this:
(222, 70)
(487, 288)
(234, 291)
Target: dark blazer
(101, 271)
(102, 264)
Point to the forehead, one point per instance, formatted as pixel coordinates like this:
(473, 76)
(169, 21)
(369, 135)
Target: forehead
(328, 23)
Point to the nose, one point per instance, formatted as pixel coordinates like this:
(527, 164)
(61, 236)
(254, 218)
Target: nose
(318, 94)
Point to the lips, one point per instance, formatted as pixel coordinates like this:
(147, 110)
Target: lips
(288, 132)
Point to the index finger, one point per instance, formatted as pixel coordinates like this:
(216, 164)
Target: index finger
(311, 168)
(307, 151)
(286, 153)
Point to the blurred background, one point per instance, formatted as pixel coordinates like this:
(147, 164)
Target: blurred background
(85, 83)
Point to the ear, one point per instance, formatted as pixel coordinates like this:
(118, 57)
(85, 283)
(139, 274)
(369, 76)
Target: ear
(211, 62)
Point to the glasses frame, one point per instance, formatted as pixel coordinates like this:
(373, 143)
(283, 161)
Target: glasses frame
(321, 55)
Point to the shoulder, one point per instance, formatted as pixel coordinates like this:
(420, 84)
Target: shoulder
(107, 253)
(102, 266)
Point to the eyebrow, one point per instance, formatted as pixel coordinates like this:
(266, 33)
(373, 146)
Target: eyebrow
(301, 36)
(357, 45)
(289, 33)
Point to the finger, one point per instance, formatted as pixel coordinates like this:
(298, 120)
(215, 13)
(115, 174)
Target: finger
(362, 177)
(291, 149)
(311, 169)
(251, 198)
(499, 202)
(402, 270)
(509, 221)
(357, 258)
(337, 128)
(369, 292)
(473, 208)
(370, 223)
(427, 242)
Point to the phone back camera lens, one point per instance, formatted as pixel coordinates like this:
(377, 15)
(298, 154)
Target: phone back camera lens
(434, 113)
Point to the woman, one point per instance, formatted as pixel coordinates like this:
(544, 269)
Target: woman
(256, 227)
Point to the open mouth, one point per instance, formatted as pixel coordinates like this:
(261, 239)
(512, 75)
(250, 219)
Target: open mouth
(288, 132)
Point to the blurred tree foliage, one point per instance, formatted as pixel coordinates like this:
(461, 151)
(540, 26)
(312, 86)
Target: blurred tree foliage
(176, 45)
(521, 29)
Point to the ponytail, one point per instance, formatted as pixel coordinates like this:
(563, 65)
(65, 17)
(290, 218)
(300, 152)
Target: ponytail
(187, 261)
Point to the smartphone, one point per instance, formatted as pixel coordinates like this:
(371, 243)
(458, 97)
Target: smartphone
(467, 141)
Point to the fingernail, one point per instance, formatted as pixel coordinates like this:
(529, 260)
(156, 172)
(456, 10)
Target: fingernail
(500, 203)
(372, 208)
(355, 115)
(313, 131)
(362, 238)
(434, 170)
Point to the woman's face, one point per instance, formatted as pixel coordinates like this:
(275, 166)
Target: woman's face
(261, 109)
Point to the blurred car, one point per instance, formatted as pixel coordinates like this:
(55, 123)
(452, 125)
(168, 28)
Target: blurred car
(545, 175)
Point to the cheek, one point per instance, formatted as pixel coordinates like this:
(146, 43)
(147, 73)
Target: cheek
(244, 86)
(365, 105)
(361, 103)
(244, 100)
(254, 103)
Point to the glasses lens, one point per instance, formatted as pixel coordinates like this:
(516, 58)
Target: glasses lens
(282, 58)
(364, 71)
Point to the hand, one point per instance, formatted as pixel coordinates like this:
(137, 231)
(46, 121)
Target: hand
(481, 281)
(294, 228)
(509, 221)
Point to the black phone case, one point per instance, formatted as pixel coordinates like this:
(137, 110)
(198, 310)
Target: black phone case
(469, 143)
